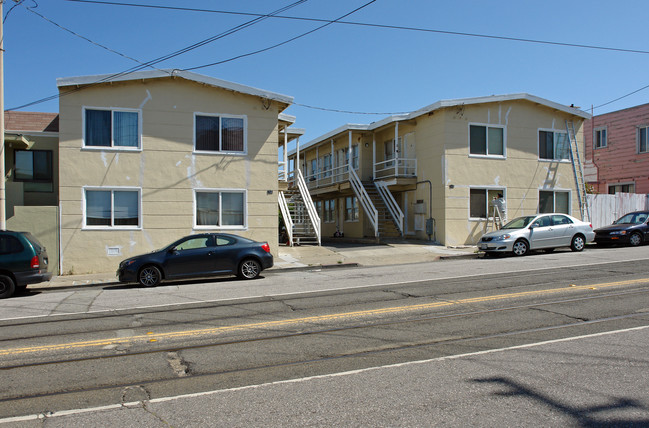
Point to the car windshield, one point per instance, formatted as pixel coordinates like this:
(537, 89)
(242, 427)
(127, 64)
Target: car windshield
(632, 218)
(519, 222)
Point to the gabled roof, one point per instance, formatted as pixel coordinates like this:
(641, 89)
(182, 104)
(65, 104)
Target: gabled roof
(445, 104)
(169, 73)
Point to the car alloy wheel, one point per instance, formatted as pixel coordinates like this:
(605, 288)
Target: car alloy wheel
(249, 269)
(635, 239)
(149, 276)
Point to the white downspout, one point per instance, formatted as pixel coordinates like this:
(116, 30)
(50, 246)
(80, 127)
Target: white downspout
(285, 154)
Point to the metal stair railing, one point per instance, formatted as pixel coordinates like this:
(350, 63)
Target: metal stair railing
(310, 206)
(578, 170)
(366, 202)
(286, 215)
(391, 203)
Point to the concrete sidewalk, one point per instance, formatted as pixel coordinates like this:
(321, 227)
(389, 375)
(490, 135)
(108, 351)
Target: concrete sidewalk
(330, 254)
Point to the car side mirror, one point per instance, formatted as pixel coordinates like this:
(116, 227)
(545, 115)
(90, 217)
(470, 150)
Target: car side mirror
(533, 225)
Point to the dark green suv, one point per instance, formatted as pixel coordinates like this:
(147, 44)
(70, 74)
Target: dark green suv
(23, 260)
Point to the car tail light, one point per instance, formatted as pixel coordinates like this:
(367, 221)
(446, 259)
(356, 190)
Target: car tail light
(591, 225)
(266, 247)
(35, 263)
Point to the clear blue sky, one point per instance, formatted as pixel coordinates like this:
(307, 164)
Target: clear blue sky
(344, 67)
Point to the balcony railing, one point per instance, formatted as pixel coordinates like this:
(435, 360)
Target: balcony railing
(393, 168)
(328, 177)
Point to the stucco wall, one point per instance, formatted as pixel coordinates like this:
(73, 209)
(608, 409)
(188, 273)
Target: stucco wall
(521, 173)
(166, 169)
(42, 222)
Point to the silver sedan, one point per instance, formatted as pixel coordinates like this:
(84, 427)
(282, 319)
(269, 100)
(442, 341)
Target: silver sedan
(535, 232)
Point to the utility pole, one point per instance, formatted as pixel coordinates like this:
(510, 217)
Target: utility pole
(3, 204)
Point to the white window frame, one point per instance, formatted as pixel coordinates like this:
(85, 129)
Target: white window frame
(487, 126)
(554, 191)
(329, 211)
(222, 152)
(638, 148)
(599, 130)
(112, 146)
(625, 183)
(112, 189)
(356, 208)
(538, 142)
(196, 226)
(487, 189)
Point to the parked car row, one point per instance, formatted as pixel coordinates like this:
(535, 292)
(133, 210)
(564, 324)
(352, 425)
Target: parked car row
(549, 231)
(23, 260)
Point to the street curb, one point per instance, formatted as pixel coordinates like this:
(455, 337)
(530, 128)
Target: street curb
(313, 267)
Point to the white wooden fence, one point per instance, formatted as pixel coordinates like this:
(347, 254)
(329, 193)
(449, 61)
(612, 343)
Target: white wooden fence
(605, 209)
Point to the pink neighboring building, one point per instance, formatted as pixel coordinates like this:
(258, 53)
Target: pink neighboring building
(617, 151)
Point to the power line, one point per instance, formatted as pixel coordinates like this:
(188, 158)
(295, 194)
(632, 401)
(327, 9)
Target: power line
(623, 96)
(80, 36)
(348, 111)
(367, 24)
(284, 42)
(168, 56)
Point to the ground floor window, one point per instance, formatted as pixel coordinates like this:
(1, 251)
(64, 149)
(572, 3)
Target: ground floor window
(221, 208)
(554, 201)
(330, 211)
(479, 202)
(351, 208)
(621, 188)
(112, 208)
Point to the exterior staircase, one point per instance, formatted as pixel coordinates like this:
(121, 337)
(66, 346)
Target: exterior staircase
(387, 227)
(299, 213)
(303, 231)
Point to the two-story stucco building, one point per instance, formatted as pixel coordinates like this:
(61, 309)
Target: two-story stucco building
(432, 173)
(151, 156)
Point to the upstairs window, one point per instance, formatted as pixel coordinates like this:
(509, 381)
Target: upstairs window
(554, 146)
(600, 138)
(34, 169)
(222, 134)
(112, 128)
(486, 140)
(643, 135)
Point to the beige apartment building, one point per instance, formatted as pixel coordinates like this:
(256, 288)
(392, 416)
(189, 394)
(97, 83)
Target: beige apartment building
(432, 174)
(151, 156)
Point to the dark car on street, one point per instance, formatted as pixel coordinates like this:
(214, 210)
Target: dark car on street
(630, 229)
(23, 261)
(198, 256)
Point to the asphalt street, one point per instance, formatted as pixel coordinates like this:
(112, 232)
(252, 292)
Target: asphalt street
(579, 381)
(547, 339)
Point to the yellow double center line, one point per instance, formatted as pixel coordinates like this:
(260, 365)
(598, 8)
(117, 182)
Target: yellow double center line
(154, 337)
